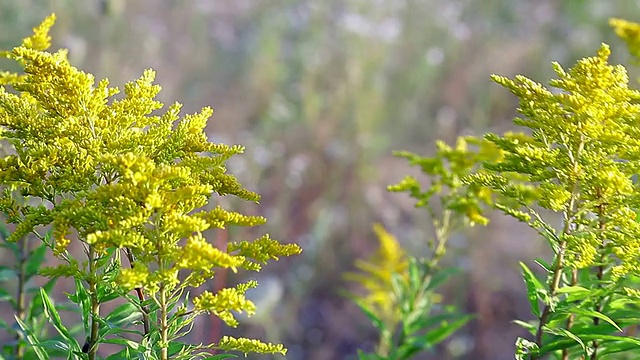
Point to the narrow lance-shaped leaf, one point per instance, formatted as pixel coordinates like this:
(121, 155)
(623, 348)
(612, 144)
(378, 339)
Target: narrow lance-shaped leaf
(534, 287)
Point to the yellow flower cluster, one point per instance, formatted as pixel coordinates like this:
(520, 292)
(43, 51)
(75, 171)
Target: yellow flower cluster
(629, 32)
(376, 274)
(225, 301)
(250, 345)
(263, 249)
(581, 155)
(198, 254)
(132, 278)
(446, 171)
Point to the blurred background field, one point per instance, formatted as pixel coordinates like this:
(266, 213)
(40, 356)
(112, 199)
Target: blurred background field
(321, 93)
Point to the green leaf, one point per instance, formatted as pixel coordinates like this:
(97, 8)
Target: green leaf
(528, 326)
(56, 347)
(438, 319)
(624, 317)
(32, 340)
(398, 286)
(375, 320)
(220, 357)
(175, 347)
(620, 303)
(573, 337)
(123, 354)
(110, 329)
(8, 350)
(35, 308)
(421, 310)
(7, 273)
(106, 294)
(414, 344)
(525, 349)
(435, 337)
(619, 344)
(406, 351)
(585, 278)
(563, 343)
(543, 264)
(595, 314)
(441, 276)
(4, 295)
(566, 334)
(575, 293)
(52, 315)
(122, 315)
(81, 297)
(35, 260)
(119, 341)
(534, 286)
(415, 275)
(625, 339)
(365, 356)
(102, 261)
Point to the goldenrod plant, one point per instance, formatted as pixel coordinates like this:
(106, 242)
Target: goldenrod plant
(375, 276)
(402, 303)
(127, 184)
(578, 158)
(401, 299)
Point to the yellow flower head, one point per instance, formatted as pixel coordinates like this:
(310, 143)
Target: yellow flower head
(376, 273)
(630, 33)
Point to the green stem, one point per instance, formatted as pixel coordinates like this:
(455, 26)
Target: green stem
(559, 260)
(141, 297)
(21, 295)
(442, 235)
(598, 308)
(572, 317)
(442, 232)
(600, 273)
(555, 283)
(164, 338)
(384, 344)
(95, 306)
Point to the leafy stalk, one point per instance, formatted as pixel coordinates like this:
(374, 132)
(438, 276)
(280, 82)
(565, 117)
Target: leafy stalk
(164, 334)
(21, 303)
(599, 269)
(553, 287)
(95, 305)
(140, 294)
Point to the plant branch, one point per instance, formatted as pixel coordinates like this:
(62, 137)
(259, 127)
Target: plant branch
(141, 297)
(600, 272)
(164, 336)
(95, 305)
(555, 282)
(572, 317)
(21, 294)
